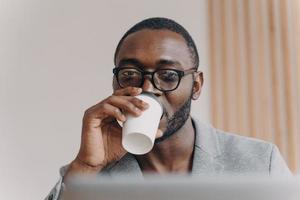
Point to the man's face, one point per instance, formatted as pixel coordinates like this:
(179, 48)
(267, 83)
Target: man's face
(153, 49)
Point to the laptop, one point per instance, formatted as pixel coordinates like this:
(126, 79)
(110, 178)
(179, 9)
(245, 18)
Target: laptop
(183, 188)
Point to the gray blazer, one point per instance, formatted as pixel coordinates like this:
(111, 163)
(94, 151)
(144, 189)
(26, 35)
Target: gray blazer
(215, 153)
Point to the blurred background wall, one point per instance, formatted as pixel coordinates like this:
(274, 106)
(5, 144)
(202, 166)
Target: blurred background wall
(255, 70)
(56, 60)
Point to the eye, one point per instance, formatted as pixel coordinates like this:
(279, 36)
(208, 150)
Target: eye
(167, 75)
(128, 73)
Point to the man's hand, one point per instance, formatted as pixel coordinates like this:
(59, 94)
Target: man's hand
(102, 135)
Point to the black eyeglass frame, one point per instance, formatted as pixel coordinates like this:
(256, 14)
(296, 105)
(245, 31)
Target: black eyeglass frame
(181, 73)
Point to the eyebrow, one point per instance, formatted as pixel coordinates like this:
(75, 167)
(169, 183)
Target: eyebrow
(160, 63)
(130, 61)
(163, 62)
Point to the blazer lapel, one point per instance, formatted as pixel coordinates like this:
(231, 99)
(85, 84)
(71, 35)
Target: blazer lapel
(206, 150)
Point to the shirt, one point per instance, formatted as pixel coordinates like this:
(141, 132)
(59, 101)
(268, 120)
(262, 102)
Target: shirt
(215, 153)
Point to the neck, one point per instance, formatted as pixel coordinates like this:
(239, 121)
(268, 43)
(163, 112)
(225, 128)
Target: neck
(172, 155)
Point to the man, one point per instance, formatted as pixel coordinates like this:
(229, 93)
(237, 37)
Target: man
(152, 53)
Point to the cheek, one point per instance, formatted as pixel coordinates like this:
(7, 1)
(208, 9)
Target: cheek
(176, 99)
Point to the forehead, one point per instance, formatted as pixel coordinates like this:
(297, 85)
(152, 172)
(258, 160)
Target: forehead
(150, 46)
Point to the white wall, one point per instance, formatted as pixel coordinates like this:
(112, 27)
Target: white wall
(56, 58)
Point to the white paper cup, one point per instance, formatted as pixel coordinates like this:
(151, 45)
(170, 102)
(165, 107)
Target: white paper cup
(138, 133)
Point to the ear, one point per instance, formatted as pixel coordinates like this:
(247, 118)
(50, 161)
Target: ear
(198, 83)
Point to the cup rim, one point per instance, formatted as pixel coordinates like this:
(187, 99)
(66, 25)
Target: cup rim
(154, 97)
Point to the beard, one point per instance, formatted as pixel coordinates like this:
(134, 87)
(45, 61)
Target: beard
(176, 121)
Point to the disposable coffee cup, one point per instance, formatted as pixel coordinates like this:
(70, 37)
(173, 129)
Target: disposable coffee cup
(138, 133)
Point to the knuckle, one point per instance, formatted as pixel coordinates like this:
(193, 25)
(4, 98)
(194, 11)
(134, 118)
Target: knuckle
(104, 106)
(87, 113)
(86, 116)
(101, 108)
(140, 101)
(136, 101)
(117, 92)
(116, 111)
(110, 98)
(130, 106)
(131, 89)
(114, 96)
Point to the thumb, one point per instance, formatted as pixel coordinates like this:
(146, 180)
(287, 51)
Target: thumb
(159, 133)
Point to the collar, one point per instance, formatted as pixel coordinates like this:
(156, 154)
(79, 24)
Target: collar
(206, 149)
(206, 138)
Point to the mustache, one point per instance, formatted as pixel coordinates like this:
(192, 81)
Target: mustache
(176, 121)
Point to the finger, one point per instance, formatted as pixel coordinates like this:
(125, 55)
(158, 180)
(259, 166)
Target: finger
(128, 91)
(159, 133)
(139, 103)
(125, 104)
(142, 105)
(106, 110)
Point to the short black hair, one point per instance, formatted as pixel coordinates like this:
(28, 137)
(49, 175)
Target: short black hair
(160, 23)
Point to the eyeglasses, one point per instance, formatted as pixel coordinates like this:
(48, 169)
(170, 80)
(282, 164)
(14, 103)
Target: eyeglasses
(164, 80)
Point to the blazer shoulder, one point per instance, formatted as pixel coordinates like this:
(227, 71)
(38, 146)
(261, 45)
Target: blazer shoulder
(240, 154)
(230, 142)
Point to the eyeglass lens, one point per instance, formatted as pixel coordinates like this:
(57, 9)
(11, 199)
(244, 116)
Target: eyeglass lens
(164, 79)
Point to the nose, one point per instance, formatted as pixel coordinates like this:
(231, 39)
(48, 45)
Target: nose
(149, 87)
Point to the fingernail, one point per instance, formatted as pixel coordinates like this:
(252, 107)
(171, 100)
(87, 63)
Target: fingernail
(138, 111)
(123, 118)
(146, 105)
